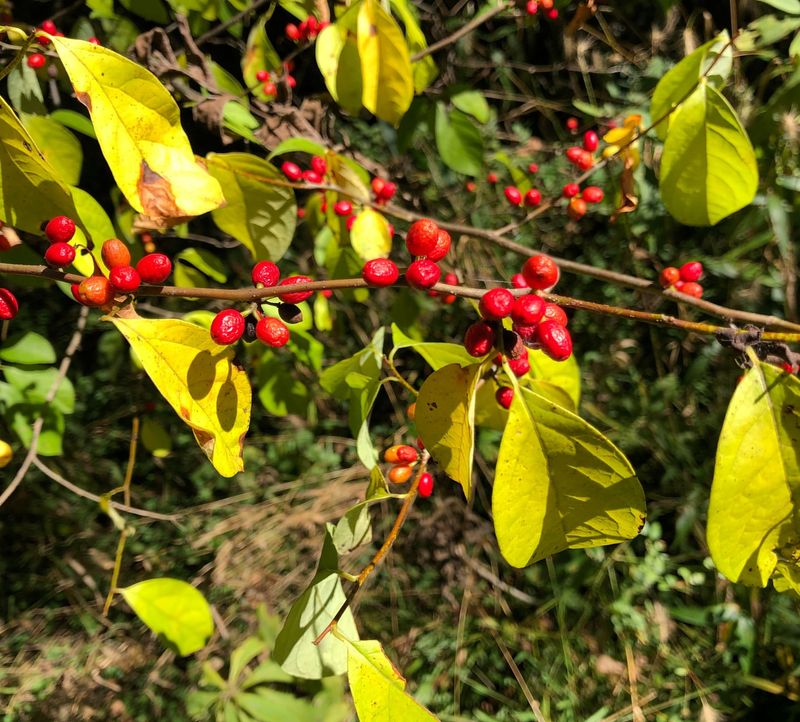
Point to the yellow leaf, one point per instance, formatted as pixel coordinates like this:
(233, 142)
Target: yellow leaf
(138, 127)
(340, 65)
(370, 235)
(387, 77)
(199, 380)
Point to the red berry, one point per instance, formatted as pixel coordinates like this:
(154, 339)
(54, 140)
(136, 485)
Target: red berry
(319, 165)
(326, 292)
(154, 268)
(312, 24)
(527, 334)
(292, 171)
(691, 271)
(678, 285)
(555, 340)
(449, 298)
(470, 186)
(49, 27)
(552, 14)
(343, 208)
(570, 190)
(93, 40)
(227, 327)
(293, 32)
(496, 304)
(592, 194)
(554, 312)
(8, 305)
(590, 141)
(479, 339)
(533, 197)
(422, 237)
(520, 366)
(311, 176)
(262, 76)
(5, 244)
(349, 222)
(425, 486)
(527, 310)
(377, 186)
(59, 255)
(572, 124)
(669, 276)
(439, 251)
(301, 213)
(74, 289)
(531, 7)
(518, 281)
(423, 274)
(295, 296)
(265, 273)
(513, 195)
(270, 88)
(272, 331)
(420, 444)
(533, 167)
(491, 178)
(540, 272)
(95, 291)
(388, 191)
(451, 279)
(504, 396)
(291, 81)
(380, 272)
(574, 153)
(36, 60)
(125, 279)
(407, 454)
(60, 229)
(576, 208)
(115, 253)
(691, 288)
(585, 160)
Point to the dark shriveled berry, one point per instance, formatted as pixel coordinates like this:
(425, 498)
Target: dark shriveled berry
(290, 313)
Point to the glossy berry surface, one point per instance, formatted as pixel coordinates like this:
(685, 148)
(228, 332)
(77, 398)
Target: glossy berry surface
(8, 305)
(555, 340)
(319, 165)
(451, 279)
(592, 194)
(343, 208)
(442, 246)
(125, 279)
(311, 176)
(292, 171)
(423, 274)
(540, 272)
(95, 291)
(265, 273)
(669, 276)
(270, 88)
(691, 271)
(154, 268)
(292, 32)
(518, 281)
(425, 487)
(115, 253)
(520, 366)
(227, 327)
(533, 198)
(504, 396)
(573, 153)
(388, 191)
(479, 339)
(400, 474)
(527, 310)
(496, 304)
(513, 196)
(262, 76)
(570, 190)
(60, 229)
(422, 237)
(36, 61)
(576, 208)
(49, 27)
(272, 331)
(59, 255)
(380, 272)
(532, 7)
(572, 124)
(585, 160)
(554, 312)
(377, 185)
(692, 288)
(590, 141)
(295, 296)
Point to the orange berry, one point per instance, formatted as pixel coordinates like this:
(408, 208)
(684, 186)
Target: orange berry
(400, 474)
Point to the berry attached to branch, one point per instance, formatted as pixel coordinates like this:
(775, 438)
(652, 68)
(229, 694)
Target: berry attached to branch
(272, 331)
(380, 272)
(227, 327)
(60, 229)
(423, 274)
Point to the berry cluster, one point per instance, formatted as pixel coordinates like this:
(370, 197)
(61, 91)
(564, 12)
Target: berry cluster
(270, 80)
(37, 59)
(684, 279)
(582, 157)
(307, 30)
(578, 199)
(514, 196)
(550, 12)
(383, 190)
(403, 458)
(315, 174)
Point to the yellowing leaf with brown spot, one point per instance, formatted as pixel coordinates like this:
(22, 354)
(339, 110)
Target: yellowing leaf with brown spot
(386, 74)
(137, 123)
(199, 380)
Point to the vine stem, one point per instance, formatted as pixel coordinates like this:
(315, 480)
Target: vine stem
(386, 547)
(397, 376)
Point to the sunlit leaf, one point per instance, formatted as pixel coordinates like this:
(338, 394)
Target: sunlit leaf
(340, 65)
(459, 141)
(370, 235)
(259, 55)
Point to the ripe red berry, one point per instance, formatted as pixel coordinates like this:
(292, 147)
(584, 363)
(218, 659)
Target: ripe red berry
(554, 312)
(555, 340)
(518, 281)
(504, 396)
(691, 271)
(59, 255)
(570, 190)
(513, 195)
(552, 14)
(527, 310)
(262, 76)
(531, 7)
(36, 61)
(520, 366)
(295, 296)
(491, 178)
(678, 285)
(496, 304)
(422, 237)
(479, 339)
(388, 191)
(423, 274)
(125, 279)
(585, 160)
(400, 474)
(227, 327)
(154, 268)
(115, 253)
(311, 176)
(470, 186)
(576, 208)
(692, 288)
(407, 454)
(319, 165)
(349, 222)
(377, 185)
(669, 276)
(272, 331)
(291, 81)
(540, 272)
(94, 40)
(95, 291)
(60, 229)
(533, 197)
(449, 298)
(533, 167)
(440, 250)
(451, 279)
(527, 335)
(270, 88)
(343, 208)
(49, 27)
(380, 272)
(592, 194)
(590, 141)
(8, 305)
(292, 171)
(425, 486)
(265, 273)
(573, 153)
(293, 32)
(572, 124)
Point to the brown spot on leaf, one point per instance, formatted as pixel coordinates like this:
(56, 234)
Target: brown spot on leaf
(641, 524)
(373, 30)
(185, 413)
(158, 200)
(84, 99)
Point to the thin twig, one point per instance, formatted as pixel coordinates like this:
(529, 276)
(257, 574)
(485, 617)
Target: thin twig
(231, 21)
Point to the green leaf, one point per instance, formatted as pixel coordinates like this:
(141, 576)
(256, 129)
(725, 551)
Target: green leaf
(678, 83)
(771, 29)
(227, 83)
(354, 528)
(708, 170)
(298, 145)
(387, 78)
(458, 141)
(752, 515)
(370, 235)
(204, 261)
(237, 119)
(174, 610)
(25, 91)
(279, 391)
(27, 348)
(310, 614)
(60, 147)
(23, 417)
(377, 687)
(245, 653)
(520, 178)
(425, 69)
(155, 438)
(153, 10)
(446, 420)
(270, 705)
(260, 215)
(322, 313)
(35, 384)
(259, 55)
(560, 484)
(788, 6)
(436, 354)
(98, 229)
(566, 375)
(340, 65)
(472, 103)
(74, 121)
